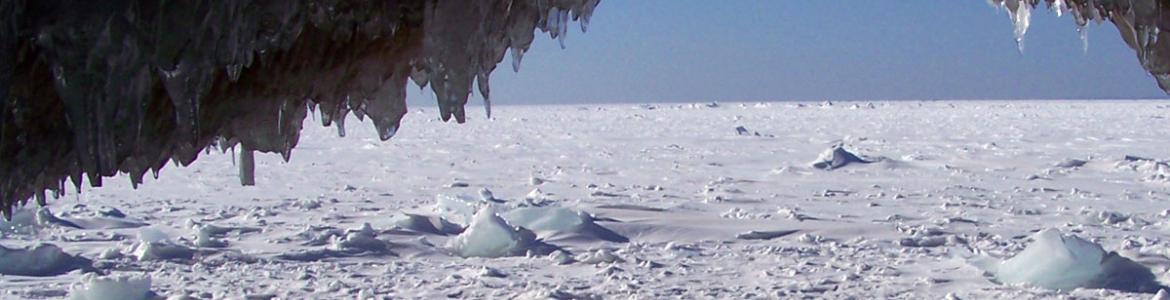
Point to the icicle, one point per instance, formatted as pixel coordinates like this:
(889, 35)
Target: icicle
(233, 72)
(1021, 15)
(198, 59)
(1083, 32)
(517, 56)
(481, 80)
(247, 166)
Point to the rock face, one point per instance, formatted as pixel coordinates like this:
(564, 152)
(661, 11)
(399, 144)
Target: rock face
(89, 89)
(94, 88)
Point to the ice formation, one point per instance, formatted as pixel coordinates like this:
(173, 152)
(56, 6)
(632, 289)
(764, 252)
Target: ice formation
(355, 242)
(1065, 262)
(1142, 23)
(154, 244)
(91, 89)
(95, 287)
(427, 224)
(461, 208)
(488, 235)
(837, 157)
(39, 260)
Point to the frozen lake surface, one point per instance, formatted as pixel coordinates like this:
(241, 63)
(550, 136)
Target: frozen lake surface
(724, 200)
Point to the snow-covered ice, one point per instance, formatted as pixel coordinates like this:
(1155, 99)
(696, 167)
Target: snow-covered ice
(683, 207)
(95, 287)
(39, 260)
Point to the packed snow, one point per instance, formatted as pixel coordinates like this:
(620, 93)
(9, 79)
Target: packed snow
(962, 200)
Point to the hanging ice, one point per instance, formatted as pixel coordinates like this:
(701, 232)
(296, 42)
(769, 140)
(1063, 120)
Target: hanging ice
(90, 90)
(1021, 14)
(1142, 24)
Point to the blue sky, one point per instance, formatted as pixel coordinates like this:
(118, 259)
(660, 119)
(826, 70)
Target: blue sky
(701, 50)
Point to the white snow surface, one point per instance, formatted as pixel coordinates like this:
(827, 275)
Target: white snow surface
(119, 287)
(705, 211)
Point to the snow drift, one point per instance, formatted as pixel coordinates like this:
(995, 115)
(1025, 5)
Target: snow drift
(39, 260)
(562, 221)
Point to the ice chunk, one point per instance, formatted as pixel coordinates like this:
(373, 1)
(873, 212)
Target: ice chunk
(39, 260)
(837, 157)
(459, 208)
(1071, 163)
(486, 195)
(145, 251)
(1064, 262)
(23, 221)
(547, 218)
(150, 235)
(363, 239)
(153, 244)
(535, 196)
(427, 224)
(120, 287)
(600, 256)
(765, 235)
(488, 235)
(204, 238)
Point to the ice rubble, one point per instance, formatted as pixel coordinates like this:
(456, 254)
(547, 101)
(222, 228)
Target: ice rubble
(427, 224)
(1065, 262)
(1154, 170)
(547, 221)
(92, 89)
(154, 244)
(488, 235)
(459, 208)
(495, 230)
(39, 260)
(122, 287)
(361, 241)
